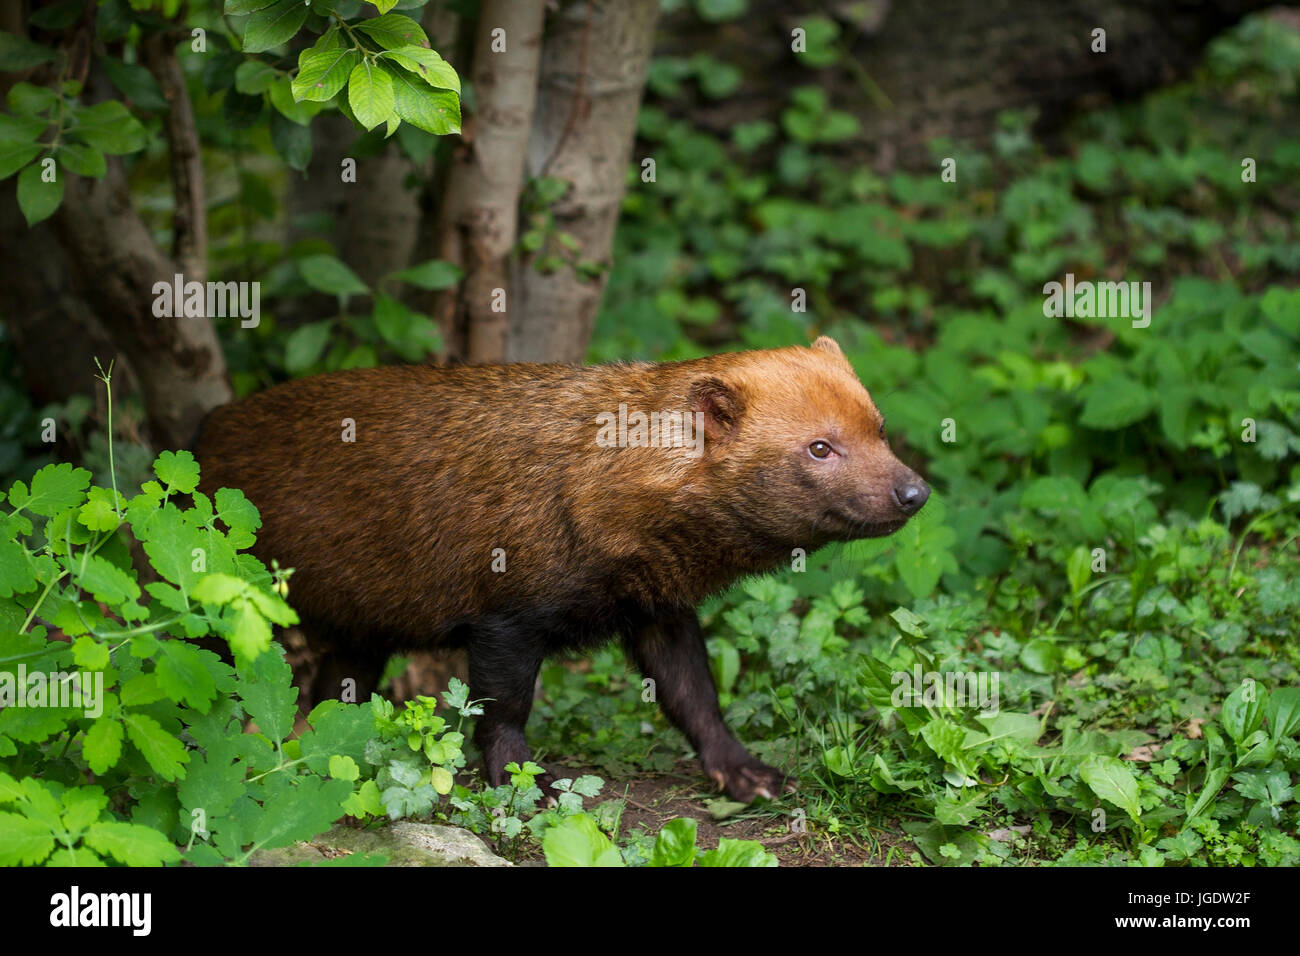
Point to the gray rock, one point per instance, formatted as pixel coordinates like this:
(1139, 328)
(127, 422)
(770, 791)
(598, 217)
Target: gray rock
(405, 844)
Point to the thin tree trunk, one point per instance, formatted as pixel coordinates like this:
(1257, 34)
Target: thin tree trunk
(593, 73)
(477, 224)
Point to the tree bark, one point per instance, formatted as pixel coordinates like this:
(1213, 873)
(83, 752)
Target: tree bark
(115, 262)
(478, 219)
(593, 74)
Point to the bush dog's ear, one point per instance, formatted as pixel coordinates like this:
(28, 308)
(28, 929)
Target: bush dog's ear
(827, 344)
(720, 404)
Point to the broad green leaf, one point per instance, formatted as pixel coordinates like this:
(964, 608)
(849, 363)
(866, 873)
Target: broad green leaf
(434, 111)
(746, 853)
(132, 844)
(296, 111)
(274, 25)
(17, 53)
(109, 127)
(1243, 711)
(675, 845)
(102, 745)
(217, 588)
(578, 841)
(427, 65)
(1115, 402)
(55, 488)
(1111, 779)
(393, 31)
(23, 841)
(325, 273)
(14, 156)
(82, 160)
(136, 83)
(370, 94)
(38, 199)
(164, 753)
(254, 77)
(183, 674)
(178, 471)
(305, 345)
(106, 581)
(322, 73)
(433, 274)
(1283, 712)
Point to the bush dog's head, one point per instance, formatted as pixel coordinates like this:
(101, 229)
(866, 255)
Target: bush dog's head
(802, 448)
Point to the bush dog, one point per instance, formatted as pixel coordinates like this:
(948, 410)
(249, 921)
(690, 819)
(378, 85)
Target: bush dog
(521, 510)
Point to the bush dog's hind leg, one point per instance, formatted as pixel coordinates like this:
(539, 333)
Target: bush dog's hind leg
(504, 659)
(670, 650)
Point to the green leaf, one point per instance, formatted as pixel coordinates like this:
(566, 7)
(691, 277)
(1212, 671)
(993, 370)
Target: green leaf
(132, 844)
(344, 768)
(274, 25)
(427, 65)
(675, 845)
(110, 127)
(23, 841)
(433, 274)
(578, 841)
(164, 753)
(17, 576)
(136, 83)
(102, 745)
(18, 53)
(106, 581)
(323, 72)
(434, 111)
(14, 156)
(296, 111)
(28, 100)
(305, 345)
(1111, 779)
(747, 853)
(715, 11)
(1283, 712)
(178, 471)
(393, 31)
(238, 8)
(250, 634)
(269, 696)
(55, 488)
(1042, 656)
(82, 160)
(370, 94)
(36, 198)
(300, 812)
(1243, 711)
(89, 653)
(183, 674)
(239, 515)
(1115, 402)
(325, 273)
(217, 588)
(255, 76)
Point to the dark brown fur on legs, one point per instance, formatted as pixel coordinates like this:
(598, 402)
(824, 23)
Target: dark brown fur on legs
(485, 507)
(671, 652)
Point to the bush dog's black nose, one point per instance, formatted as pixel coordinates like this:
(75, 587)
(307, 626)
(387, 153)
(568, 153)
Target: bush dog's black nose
(911, 496)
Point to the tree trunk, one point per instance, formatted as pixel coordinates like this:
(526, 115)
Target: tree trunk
(477, 223)
(593, 73)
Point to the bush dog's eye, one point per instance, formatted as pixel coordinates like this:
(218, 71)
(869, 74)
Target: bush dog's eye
(819, 449)
(882, 431)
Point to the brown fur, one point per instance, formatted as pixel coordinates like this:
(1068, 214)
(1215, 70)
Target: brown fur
(393, 536)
